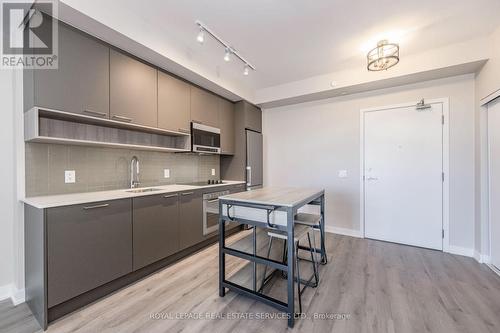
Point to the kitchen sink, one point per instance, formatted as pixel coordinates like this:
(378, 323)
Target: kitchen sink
(142, 190)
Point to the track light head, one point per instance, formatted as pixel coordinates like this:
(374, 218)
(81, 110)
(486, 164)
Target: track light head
(227, 54)
(201, 36)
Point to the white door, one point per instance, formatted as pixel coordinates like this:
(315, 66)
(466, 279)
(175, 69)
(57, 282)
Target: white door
(494, 167)
(403, 185)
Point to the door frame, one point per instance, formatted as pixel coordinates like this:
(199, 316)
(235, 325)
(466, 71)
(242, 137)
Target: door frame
(446, 163)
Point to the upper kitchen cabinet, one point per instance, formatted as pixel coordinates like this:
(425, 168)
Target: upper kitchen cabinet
(226, 123)
(253, 117)
(174, 104)
(133, 90)
(80, 84)
(204, 107)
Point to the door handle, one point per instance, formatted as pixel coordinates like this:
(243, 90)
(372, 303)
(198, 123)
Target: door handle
(122, 118)
(249, 175)
(371, 178)
(100, 114)
(96, 206)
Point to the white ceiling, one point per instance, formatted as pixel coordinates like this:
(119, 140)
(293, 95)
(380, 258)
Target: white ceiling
(290, 40)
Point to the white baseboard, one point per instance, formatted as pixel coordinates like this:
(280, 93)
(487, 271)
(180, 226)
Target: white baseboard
(5, 291)
(461, 251)
(343, 231)
(18, 296)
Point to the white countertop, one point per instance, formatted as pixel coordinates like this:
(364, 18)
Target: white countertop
(276, 196)
(50, 201)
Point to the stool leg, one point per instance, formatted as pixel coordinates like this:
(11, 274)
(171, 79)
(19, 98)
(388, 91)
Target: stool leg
(313, 259)
(285, 254)
(298, 275)
(324, 260)
(315, 251)
(265, 266)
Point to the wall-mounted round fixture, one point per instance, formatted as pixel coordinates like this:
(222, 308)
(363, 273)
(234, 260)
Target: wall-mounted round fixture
(383, 57)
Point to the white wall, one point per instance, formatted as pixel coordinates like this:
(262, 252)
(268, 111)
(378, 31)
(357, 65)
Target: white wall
(7, 188)
(306, 144)
(487, 82)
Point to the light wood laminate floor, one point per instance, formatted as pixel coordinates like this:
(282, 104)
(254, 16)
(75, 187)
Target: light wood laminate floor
(382, 287)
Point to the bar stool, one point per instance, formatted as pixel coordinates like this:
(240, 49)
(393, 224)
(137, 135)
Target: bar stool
(300, 232)
(313, 221)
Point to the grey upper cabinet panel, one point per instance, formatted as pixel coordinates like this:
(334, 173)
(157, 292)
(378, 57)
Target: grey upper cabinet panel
(190, 219)
(174, 103)
(133, 90)
(204, 107)
(226, 122)
(87, 246)
(81, 82)
(156, 228)
(253, 117)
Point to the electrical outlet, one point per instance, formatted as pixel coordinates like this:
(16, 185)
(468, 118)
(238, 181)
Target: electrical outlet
(342, 173)
(69, 176)
(213, 172)
(166, 173)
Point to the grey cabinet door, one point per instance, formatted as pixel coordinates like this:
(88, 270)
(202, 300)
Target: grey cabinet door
(174, 103)
(253, 117)
(226, 122)
(81, 82)
(190, 219)
(156, 228)
(133, 90)
(204, 107)
(87, 246)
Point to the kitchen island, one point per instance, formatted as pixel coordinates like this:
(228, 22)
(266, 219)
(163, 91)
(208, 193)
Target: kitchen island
(271, 208)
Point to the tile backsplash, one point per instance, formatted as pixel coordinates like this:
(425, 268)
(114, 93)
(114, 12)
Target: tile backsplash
(100, 169)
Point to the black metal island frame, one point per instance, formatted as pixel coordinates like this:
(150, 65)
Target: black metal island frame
(270, 208)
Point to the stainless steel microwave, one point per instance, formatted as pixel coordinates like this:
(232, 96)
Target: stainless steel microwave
(205, 139)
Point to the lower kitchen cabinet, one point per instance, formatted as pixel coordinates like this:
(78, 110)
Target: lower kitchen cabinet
(156, 228)
(190, 219)
(87, 246)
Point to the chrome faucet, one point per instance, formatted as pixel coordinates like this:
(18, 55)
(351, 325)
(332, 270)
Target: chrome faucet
(134, 172)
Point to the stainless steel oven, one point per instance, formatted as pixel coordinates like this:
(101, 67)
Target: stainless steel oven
(205, 139)
(211, 211)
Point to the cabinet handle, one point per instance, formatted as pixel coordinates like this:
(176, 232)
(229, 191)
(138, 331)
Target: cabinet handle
(187, 193)
(122, 118)
(96, 206)
(170, 196)
(213, 200)
(100, 114)
(183, 130)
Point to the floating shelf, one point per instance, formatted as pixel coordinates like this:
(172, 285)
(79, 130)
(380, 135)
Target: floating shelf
(58, 127)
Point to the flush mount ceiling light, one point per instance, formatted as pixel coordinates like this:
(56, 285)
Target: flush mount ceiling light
(229, 51)
(383, 57)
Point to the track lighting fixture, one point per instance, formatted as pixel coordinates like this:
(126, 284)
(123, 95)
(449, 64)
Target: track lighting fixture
(201, 36)
(227, 54)
(229, 51)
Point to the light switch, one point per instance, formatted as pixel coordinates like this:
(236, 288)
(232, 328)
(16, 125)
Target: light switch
(213, 172)
(342, 173)
(166, 173)
(69, 176)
